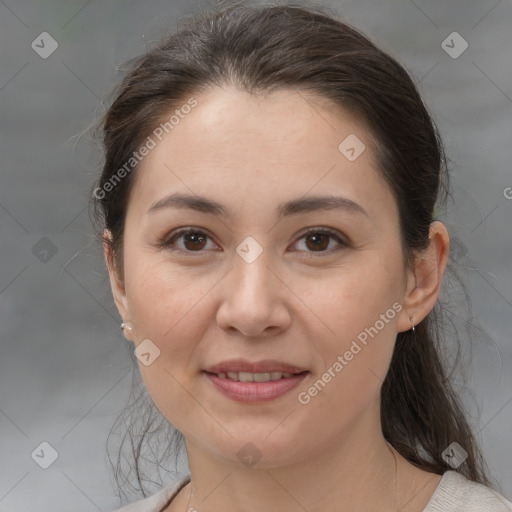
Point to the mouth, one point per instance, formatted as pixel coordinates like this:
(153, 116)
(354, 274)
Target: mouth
(258, 368)
(247, 382)
(255, 377)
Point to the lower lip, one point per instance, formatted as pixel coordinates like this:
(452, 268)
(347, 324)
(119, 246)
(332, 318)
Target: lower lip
(252, 392)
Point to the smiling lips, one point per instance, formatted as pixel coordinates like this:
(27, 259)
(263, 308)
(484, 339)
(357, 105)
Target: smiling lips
(252, 382)
(242, 365)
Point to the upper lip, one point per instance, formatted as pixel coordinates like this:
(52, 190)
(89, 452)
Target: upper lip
(265, 366)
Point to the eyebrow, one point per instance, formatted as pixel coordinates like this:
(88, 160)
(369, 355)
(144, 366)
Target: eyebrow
(293, 207)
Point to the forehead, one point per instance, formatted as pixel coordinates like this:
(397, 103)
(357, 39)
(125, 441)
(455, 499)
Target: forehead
(236, 145)
(289, 123)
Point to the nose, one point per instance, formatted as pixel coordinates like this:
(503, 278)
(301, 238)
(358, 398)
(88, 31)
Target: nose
(253, 299)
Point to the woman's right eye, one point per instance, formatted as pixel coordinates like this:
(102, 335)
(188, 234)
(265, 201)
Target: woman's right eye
(193, 240)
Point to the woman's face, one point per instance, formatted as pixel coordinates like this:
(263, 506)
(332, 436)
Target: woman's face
(250, 283)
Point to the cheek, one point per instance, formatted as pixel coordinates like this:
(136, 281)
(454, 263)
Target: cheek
(361, 309)
(163, 300)
(356, 298)
(168, 308)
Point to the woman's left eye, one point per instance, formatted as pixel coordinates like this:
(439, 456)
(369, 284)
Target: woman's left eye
(316, 240)
(319, 240)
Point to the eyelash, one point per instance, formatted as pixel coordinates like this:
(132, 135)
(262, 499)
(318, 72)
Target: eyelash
(166, 242)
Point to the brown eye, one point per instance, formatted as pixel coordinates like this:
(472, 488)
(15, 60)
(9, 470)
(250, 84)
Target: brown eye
(192, 240)
(318, 240)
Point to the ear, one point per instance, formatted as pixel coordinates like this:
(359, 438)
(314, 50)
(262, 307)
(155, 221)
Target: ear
(116, 282)
(424, 282)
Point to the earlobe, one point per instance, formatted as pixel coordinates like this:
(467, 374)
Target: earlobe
(128, 332)
(425, 284)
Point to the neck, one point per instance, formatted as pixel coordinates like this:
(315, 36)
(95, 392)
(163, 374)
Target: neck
(356, 475)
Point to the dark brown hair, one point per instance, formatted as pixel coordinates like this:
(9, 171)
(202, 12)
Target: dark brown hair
(260, 49)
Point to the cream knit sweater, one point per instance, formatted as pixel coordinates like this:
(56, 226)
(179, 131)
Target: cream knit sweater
(455, 493)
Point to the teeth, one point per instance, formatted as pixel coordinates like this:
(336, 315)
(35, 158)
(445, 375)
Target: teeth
(261, 377)
(255, 377)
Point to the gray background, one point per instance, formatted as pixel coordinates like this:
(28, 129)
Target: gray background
(64, 371)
